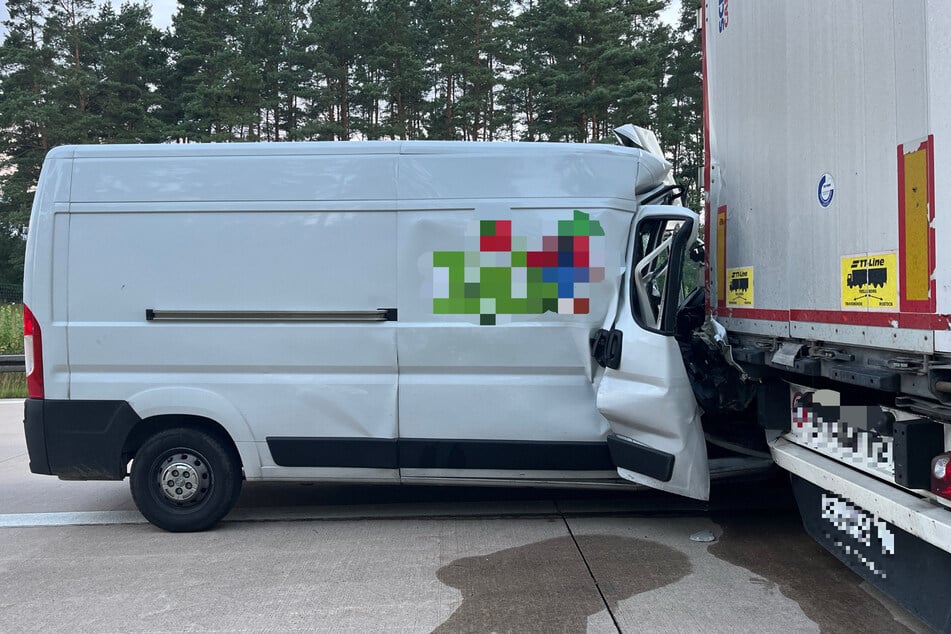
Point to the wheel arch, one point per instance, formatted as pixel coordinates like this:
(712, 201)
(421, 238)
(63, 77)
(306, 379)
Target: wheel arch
(162, 408)
(148, 427)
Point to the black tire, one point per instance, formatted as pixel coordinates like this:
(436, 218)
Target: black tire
(185, 480)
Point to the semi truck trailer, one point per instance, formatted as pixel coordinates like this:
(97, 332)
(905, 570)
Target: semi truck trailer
(827, 184)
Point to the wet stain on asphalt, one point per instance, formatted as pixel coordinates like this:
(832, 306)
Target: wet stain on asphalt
(546, 587)
(780, 553)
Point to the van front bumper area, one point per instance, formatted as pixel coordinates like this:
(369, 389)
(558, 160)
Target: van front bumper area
(78, 440)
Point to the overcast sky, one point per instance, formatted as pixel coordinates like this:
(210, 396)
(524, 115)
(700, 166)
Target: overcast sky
(162, 11)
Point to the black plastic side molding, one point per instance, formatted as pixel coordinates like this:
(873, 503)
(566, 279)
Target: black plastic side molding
(360, 453)
(641, 459)
(439, 453)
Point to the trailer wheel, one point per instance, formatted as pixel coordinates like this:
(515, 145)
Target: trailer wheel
(185, 480)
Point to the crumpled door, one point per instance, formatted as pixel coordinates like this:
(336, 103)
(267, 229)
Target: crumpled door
(642, 386)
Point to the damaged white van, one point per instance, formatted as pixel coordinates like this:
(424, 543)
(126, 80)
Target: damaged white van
(426, 312)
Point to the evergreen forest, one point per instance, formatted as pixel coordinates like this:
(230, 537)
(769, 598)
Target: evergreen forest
(81, 71)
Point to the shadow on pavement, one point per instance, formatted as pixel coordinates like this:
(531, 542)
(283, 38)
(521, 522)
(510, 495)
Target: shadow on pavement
(777, 549)
(546, 587)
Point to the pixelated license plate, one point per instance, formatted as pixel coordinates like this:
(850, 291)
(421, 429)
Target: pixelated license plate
(822, 423)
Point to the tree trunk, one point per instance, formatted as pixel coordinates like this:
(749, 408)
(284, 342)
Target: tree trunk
(345, 103)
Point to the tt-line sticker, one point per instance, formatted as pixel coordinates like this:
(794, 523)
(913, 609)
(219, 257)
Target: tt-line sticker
(870, 282)
(504, 274)
(739, 290)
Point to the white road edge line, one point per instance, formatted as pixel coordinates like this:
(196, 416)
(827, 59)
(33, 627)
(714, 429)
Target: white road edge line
(79, 518)
(101, 518)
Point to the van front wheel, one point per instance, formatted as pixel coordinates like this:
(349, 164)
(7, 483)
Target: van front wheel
(185, 479)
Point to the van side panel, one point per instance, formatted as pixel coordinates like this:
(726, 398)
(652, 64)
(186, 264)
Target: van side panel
(287, 379)
(508, 263)
(273, 288)
(238, 274)
(500, 363)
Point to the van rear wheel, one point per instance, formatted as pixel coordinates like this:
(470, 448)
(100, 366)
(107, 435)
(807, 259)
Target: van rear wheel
(185, 480)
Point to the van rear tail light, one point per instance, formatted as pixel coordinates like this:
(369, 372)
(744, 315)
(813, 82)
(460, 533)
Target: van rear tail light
(33, 354)
(941, 475)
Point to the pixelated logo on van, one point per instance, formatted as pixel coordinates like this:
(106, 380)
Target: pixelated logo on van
(503, 274)
(723, 10)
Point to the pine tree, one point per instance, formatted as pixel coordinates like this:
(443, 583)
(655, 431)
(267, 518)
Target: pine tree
(201, 82)
(336, 41)
(585, 66)
(524, 41)
(399, 60)
(26, 72)
(367, 86)
(67, 32)
(681, 104)
(274, 68)
(468, 60)
(125, 58)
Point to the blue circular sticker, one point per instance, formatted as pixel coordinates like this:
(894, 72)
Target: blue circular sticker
(826, 190)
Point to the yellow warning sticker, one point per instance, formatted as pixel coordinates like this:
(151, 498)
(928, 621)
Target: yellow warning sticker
(739, 287)
(870, 281)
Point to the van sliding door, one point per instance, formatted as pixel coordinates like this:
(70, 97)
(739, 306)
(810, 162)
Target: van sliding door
(256, 290)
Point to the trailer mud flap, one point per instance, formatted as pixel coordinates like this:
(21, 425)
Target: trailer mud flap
(914, 573)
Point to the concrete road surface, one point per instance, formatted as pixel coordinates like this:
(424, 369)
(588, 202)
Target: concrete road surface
(76, 557)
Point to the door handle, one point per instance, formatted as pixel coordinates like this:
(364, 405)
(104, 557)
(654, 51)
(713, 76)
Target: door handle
(606, 348)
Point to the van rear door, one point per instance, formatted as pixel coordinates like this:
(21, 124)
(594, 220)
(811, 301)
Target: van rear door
(642, 386)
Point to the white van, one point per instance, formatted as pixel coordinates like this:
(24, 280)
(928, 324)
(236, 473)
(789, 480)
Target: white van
(434, 312)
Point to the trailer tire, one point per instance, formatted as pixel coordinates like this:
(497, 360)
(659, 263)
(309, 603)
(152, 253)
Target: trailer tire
(185, 480)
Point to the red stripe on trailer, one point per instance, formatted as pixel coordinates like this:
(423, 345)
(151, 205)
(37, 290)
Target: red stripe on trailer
(709, 247)
(710, 305)
(910, 321)
(764, 314)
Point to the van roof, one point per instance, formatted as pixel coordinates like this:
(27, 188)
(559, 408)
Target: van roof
(348, 171)
(331, 147)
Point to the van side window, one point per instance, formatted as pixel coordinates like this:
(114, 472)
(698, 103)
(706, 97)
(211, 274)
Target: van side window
(663, 275)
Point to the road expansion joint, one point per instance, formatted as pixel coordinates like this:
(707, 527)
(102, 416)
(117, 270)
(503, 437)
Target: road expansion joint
(587, 566)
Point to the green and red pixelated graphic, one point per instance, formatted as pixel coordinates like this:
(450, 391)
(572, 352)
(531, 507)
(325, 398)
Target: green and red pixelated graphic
(502, 274)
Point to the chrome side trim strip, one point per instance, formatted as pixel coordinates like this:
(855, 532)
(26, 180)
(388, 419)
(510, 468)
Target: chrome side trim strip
(380, 314)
